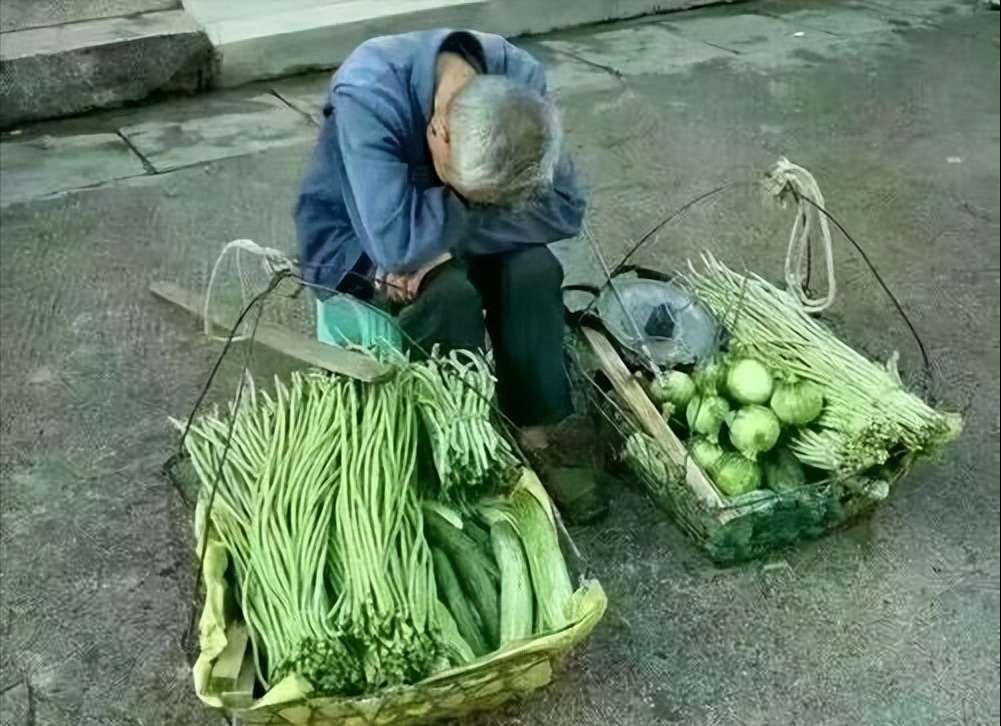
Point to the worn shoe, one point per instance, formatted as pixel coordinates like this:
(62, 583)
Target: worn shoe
(571, 468)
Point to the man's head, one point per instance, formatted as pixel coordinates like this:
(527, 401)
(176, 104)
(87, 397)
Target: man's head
(493, 140)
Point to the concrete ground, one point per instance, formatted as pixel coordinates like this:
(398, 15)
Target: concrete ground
(893, 106)
(59, 59)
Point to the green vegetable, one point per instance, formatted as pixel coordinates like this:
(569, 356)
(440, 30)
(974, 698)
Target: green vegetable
(477, 532)
(343, 575)
(783, 472)
(749, 381)
(706, 415)
(709, 377)
(753, 430)
(867, 412)
(645, 453)
(736, 475)
(456, 648)
(466, 618)
(550, 578)
(517, 608)
(316, 504)
(454, 394)
(477, 573)
(705, 453)
(229, 663)
(674, 387)
(797, 403)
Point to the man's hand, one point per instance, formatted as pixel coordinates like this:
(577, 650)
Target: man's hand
(396, 287)
(404, 288)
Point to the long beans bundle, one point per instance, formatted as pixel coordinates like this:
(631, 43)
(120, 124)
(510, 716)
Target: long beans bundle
(867, 415)
(456, 394)
(317, 506)
(382, 565)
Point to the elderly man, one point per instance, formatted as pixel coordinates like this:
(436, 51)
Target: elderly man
(437, 183)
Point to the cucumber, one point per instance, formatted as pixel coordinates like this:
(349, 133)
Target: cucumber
(550, 577)
(472, 567)
(477, 532)
(517, 606)
(480, 534)
(457, 649)
(463, 613)
(442, 533)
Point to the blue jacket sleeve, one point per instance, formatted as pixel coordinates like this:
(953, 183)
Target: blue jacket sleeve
(321, 228)
(399, 226)
(556, 214)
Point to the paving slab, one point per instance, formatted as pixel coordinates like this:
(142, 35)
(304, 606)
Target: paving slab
(531, 17)
(738, 33)
(169, 146)
(926, 12)
(637, 50)
(760, 41)
(764, 42)
(63, 58)
(839, 22)
(307, 94)
(567, 73)
(176, 109)
(281, 40)
(50, 165)
(271, 38)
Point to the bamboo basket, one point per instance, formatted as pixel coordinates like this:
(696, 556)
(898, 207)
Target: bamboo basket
(502, 676)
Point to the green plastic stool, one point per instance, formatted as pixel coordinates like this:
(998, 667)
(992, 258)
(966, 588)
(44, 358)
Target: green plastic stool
(343, 321)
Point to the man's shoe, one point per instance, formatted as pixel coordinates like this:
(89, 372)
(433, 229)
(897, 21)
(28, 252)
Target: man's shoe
(576, 494)
(570, 469)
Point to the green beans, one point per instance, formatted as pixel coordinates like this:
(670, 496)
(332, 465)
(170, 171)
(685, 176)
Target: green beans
(456, 395)
(319, 507)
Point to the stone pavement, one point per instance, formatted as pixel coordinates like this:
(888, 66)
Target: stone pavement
(64, 58)
(894, 107)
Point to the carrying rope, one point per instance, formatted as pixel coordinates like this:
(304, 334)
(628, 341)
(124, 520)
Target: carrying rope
(786, 178)
(273, 261)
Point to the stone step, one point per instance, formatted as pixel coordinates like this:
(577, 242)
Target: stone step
(263, 39)
(68, 69)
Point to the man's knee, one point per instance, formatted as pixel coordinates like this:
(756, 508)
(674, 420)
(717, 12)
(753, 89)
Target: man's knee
(451, 288)
(448, 312)
(535, 269)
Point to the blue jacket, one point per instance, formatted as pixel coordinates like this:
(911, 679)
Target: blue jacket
(368, 189)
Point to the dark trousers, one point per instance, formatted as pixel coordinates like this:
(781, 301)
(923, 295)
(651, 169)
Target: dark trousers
(521, 294)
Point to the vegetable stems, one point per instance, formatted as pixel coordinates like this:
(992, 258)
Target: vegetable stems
(868, 414)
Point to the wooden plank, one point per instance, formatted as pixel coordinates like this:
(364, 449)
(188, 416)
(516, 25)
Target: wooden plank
(312, 352)
(649, 417)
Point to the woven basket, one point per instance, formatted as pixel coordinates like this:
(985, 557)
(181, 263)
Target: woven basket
(757, 524)
(729, 530)
(502, 676)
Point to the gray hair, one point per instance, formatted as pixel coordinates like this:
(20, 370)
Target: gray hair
(505, 141)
